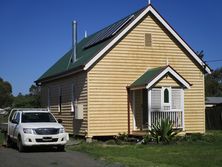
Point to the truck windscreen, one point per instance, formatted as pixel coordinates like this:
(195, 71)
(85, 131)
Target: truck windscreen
(37, 117)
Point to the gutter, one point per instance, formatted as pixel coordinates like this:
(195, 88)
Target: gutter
(60, 75)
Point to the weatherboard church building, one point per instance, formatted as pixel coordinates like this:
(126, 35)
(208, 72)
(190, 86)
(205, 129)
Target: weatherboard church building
(126, 77)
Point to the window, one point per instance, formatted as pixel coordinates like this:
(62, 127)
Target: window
(17, 117)
(176, 99)
(72, 98)
(37, 117)
(60, 99)
(156, 99)
(166, 95)
(166, 98)
(12, 115)
(148, 40)
(48, 100)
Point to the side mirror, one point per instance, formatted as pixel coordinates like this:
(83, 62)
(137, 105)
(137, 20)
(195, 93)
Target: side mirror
(14, 121)
(60, 121)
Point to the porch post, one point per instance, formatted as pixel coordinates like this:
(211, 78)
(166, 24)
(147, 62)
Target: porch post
(128, 109)
(182, 106)
(133, 107)
(149, 109)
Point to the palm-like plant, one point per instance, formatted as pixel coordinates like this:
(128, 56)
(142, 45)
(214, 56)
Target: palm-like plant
(163, 131)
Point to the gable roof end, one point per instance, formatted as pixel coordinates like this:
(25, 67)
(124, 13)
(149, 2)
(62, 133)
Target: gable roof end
(165, 24)
(152, 76)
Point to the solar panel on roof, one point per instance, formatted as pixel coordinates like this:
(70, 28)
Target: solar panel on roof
(108, 32)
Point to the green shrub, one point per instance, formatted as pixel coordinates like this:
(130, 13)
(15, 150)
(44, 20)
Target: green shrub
(163, 131)
(146, 139)
(121, 137)
(195, 137)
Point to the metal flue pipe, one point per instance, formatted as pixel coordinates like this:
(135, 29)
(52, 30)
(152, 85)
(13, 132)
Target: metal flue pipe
(74, 40)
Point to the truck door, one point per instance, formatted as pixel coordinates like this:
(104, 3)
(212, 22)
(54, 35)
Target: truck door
(12, 126)
(16, 126)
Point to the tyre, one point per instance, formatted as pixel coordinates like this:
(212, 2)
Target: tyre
(9, 142)
(61, 148)
(20, 146)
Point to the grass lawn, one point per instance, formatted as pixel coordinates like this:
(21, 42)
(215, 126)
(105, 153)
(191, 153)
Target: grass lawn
(196, 153)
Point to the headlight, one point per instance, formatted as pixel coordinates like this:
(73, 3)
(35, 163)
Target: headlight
(61, 130)
(27, 130)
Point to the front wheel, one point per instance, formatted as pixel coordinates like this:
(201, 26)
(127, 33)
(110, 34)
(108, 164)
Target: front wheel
(20, 146)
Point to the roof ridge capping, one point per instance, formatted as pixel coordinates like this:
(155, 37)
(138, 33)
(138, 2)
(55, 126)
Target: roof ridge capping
(151, 9)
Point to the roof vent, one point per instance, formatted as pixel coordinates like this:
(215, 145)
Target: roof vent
(148, 39)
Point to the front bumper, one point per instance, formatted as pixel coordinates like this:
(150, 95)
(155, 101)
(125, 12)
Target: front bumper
(38, 140)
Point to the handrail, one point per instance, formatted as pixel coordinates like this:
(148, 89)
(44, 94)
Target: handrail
(172, 110)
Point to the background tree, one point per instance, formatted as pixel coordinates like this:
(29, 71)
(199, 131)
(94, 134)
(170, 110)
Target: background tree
(34, 90)
(30, 100)
(213, 83)
(6, 97)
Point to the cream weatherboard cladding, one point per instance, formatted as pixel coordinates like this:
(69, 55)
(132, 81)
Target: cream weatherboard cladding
(79, 83)
(118, 68)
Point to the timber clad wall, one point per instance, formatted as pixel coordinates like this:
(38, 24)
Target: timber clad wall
(129, 59)
(73, 126)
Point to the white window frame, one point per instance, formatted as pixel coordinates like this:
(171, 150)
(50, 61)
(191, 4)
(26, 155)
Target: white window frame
(73, 98)
(48, 99)
(160, 99)
(170, 99)
(163, 104)
(60, 100)
(181, 98)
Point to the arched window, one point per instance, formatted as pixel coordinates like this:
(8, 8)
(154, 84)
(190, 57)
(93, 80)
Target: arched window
(166, 96)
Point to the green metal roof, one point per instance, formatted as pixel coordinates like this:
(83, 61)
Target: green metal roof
(84, 55)
(147, 77)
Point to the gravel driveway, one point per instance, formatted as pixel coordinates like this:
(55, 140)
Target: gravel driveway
(10, 157)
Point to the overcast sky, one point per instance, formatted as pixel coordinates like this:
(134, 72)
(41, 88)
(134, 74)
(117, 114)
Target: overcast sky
(34, 34)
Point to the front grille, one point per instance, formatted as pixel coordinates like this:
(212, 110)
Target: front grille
(46, 131)
(45, 140)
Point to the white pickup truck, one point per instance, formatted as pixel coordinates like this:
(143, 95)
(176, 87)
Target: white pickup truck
(35, 127)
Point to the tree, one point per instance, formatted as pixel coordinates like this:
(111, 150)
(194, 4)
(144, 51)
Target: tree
(34, 90)
(213, 83)
(30, 100)
(6, 97)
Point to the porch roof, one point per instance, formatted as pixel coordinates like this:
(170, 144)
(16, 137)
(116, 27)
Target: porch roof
(152, 76)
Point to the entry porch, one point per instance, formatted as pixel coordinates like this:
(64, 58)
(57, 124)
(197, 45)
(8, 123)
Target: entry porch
(155, 95)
